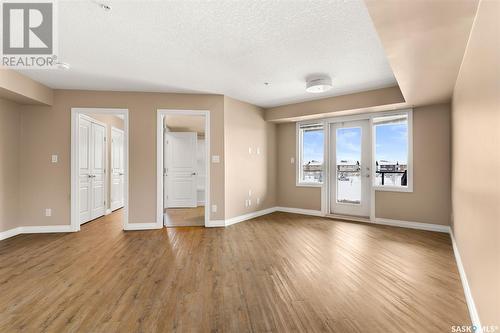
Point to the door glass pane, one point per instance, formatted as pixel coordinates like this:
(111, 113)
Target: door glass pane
(349, 165)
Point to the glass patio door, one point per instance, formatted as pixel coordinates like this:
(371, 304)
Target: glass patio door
(350, 164)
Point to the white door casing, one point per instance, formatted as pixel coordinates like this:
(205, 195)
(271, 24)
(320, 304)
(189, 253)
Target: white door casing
(92, 169)
(180, 169)
(117, 168)
(350, 190)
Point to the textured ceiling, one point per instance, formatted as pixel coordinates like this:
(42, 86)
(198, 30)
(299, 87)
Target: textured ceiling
(224, 47)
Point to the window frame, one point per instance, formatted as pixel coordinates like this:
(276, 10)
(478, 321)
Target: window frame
(298, 153)
(389, 188)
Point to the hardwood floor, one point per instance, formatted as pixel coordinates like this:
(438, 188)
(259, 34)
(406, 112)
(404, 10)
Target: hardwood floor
(280, 272)
(186, 216)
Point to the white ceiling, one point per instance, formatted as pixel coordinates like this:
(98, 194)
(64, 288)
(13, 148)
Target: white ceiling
(224, 47)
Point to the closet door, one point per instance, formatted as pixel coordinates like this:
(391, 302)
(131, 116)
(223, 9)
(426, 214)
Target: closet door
(98, 170)
(117, 168)
(84, 176)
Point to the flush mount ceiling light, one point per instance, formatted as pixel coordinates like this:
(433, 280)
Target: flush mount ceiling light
(318, 84)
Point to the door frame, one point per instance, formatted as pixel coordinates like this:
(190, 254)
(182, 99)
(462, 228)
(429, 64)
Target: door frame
(75, 198)
(111, 166)
(161, 113)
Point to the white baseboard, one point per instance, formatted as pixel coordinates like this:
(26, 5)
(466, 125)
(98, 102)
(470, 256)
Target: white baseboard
(10, 233)
(216, 223)
(249, 216)
(46, 229)
(474, 316)
(413, 225)
(200, 203)
(299, 211)
(142, 226)
(35, 230)
(108, 211)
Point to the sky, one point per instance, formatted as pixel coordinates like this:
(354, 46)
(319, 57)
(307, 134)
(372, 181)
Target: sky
(391, 144)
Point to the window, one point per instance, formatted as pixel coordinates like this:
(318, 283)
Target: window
(310, 154)
(392, 147)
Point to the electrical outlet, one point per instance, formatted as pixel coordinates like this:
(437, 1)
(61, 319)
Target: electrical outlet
(48, 212)
(292, 160)
(214, 208)
(258, 201)
(54, 158)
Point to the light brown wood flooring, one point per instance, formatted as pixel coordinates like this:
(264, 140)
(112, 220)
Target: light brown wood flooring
(277, 273)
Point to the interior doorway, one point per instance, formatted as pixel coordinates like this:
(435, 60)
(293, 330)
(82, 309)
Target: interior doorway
(184, 138)
(99, 165)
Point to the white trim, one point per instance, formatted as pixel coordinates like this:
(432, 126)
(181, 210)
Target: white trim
(11, 233)
(46, 229)
(35, 230)
(249, 216)
(474, 315)
(412, 225)
(142, 226)
(108, 211)
(161, 113)
(301, 211)
(75, 113)
(215, 223)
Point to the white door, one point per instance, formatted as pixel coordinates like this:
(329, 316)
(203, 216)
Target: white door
(84, 175)
(180, 169)
(92, 162)
(350, 168)
(117, 168)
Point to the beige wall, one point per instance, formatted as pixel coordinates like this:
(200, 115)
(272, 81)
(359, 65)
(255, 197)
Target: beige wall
(245, 127)
(46, 130)
(366, 101)
(476, 162)
(430, 200)
(10, 125)
(110, 121)
(22, 89)
(289, 195)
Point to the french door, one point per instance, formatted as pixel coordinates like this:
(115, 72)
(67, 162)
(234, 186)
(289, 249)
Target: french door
(350, 163)
(92, 169)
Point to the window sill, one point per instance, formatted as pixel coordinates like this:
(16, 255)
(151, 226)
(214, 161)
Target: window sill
(309, 184)
(393, 189)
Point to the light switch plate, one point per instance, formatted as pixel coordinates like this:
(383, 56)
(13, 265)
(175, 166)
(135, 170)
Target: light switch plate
(292, 160)
(54, 158)
(214, 208)
(48, 212)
